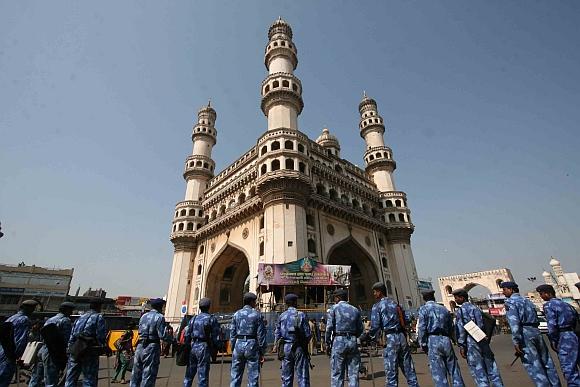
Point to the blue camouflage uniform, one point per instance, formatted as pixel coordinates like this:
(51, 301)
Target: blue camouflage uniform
(89, 324)
(343, 327)
(199, 359)
(248, 340)
(480, 357)
(21, 324)
(146, 360)
(385, 317)
(46, 368)
(434, 331)
(523, 320)
(290, 324)
(562, 319)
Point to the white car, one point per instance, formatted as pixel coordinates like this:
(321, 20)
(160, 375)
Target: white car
(543, 324)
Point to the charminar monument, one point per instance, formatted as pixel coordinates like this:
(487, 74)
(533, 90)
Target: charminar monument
(286, 198)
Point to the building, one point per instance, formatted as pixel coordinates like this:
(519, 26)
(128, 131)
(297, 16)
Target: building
(20, 282)
(563, 283)
(288, 198)
(488, 278)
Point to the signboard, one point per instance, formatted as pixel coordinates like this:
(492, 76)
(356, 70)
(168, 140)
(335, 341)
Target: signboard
(424, 286)
(497, 311)
(305, 271)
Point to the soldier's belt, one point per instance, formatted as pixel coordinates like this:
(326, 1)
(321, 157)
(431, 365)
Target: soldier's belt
(245, 337)
(347, 334)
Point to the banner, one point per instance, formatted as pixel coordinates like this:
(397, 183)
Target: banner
(305, 271)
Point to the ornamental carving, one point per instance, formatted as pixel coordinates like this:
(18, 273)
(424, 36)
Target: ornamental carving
(245, 233)
(330, 229)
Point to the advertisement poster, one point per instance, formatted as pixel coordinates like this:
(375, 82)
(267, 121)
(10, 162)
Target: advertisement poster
(305, 271)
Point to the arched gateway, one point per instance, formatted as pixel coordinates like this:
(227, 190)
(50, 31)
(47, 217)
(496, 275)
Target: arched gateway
(226, 280)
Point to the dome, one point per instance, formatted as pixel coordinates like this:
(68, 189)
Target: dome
(280, 26)
(546, 274)
(327, 140)
(554, 262)
(366, 101)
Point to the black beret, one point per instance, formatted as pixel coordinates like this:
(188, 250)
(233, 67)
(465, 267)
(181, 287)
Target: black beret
(204, 302)
(29, 303)
(250, 297)
(340, 293)
(545, 289)
(67, 304)
(290, 297)
(380, 286)
(460, 293)
(508, 285)
(157, 302)
(428, 292)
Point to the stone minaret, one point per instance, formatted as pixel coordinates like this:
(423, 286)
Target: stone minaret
(189, 216)
(380, 166)
(283, 166)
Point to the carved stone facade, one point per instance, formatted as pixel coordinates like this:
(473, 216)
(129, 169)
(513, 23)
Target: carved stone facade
(286, 198)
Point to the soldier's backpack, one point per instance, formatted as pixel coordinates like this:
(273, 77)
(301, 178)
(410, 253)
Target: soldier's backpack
(489, 324)
(54, 342)
(7, 340)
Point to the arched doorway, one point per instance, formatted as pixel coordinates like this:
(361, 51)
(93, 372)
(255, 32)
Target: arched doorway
(363, 271)
(227, 280)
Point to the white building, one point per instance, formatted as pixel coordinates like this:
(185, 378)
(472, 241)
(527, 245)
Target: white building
(563, 283)
(286, 198)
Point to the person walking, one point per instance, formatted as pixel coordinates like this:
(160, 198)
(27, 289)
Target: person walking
(562, 319)
(343, 328)
(124, 347)
(387, 317)
(322, 330)
(434, 330)
(151, 330)
(51, 357)
(293, 331)
(527, 338)
(203, 337)
(91, 328)
(167, 342)
(248, 340)
(479, 355)
(312, 341)
(12, 347)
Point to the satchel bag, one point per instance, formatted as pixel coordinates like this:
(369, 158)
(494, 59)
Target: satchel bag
(83, 344)
(184, 350)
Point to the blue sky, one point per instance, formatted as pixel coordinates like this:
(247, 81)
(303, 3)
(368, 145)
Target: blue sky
(98, 100)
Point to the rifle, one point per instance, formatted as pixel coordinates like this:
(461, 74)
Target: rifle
(517, 356)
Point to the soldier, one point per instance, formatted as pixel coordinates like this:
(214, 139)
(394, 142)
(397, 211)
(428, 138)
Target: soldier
(435, 329)
(248, 340)
(480, 357)
(50, 364)
(91, 326)
(13, 347)
(562, 320)
(342, 330)
(293, 332)
(146, 360)
(203, 335)
(527, 338)
(387, 316)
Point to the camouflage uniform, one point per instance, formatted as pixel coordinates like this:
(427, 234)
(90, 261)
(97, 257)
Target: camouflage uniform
(248, 340)
(523, 320)
(344, 326)
(562, 319)
(294, 356)
(434, 331)
(89, 324)
(385, 317)
(199, 359)
(46, 368)
(480, 357)
(146, 360)
(21, 324)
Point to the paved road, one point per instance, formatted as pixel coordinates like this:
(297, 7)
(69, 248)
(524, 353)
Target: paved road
(171, 375)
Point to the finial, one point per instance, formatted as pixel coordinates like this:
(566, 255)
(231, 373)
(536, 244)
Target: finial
(209, 102)
(364, 93)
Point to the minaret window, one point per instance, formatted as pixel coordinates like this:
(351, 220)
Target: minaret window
(222, 209)
(371, 157)
(275, 145)
(214, 214)
(189, 226)
(301, 148)
(263, 150)
(266, 89)
(199, 269)
(294, 87)
(241, 198)
(206, 165)
(333, 194)
(401, 217)
(183, 213)
(261, 248)
(180, 226)
(288, 145)
(263, 169)
(192, 212)
(174, 228)
(289, 164)
(275, 165)
(275, 44)
(199, 225)
(261, 222)
(448, 289)
(201, 249)
(302, 167)
(176, 214)
(389, 203)
(392, 218)
(285, 83)
(398, 203)
(276, 84)
(200, 213)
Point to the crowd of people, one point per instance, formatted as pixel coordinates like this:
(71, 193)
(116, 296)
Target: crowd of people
(70, 350)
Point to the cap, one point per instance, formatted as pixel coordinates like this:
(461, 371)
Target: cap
(508, 285)
(428, 292)
(204, 302)
(290, 297)
(380, 287)
(67, 304)
(460, 293)
(250, 297)
(340, 293)
(29, 303)
(545, 289)
(156, 302)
